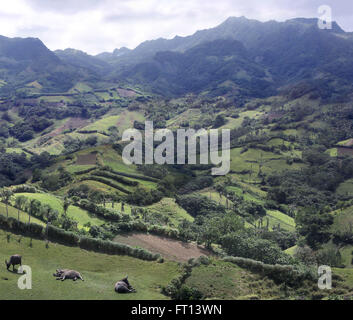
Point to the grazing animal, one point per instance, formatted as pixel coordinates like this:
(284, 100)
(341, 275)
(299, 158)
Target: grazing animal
(123, 286)
(14, 260)
(63, 274)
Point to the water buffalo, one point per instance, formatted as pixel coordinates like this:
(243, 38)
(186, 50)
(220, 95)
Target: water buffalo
(63, 274)
(14, 260)
(123, 286)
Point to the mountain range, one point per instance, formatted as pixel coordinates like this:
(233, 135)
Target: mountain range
(240, 57)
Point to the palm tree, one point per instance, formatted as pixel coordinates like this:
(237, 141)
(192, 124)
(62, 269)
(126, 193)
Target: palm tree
(6, 194)
(47, 210)
(20, 203)
(34, 206)
(66, 205)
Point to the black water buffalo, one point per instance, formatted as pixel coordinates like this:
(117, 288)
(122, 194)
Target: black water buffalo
(123, 286)
(14, 260)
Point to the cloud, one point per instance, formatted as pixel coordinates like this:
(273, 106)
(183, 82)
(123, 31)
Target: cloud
(64, 6)
(103, 25)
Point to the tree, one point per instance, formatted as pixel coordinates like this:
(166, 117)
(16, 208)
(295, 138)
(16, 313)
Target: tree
(247, 246)
(113, 134)
(114, 198)
(46, 212)
(185, 231)
(6, 194)
(314, 226)
(66, 205)
(20, 203)
(219, 121)
(219, 225)
(33, 208)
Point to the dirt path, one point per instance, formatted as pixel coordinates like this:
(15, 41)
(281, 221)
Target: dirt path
(168, 248)
(126, 92)
(344, 152)
(71, 123)
(349, 143)
(86, 159)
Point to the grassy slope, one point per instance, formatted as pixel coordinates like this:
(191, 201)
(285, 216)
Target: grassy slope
(276, 217)
(81, 216)
(100, 272)
(13, 212)
(168, 207)
(224, 280)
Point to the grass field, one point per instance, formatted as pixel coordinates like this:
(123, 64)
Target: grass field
(345, 188)
(234, 123)
(292, 250)
(347, 256)
(100, 272)
(103, 124)
(276, 217)
(224, 280)
(173, 211)
(81, 216)
(13, 212)
(246, 195)
(81, 87)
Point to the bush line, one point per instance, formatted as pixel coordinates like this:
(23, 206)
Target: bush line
(289, 274)
(68, 238)
(107, 182)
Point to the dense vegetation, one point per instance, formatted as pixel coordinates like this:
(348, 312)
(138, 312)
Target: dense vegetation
(285, 206)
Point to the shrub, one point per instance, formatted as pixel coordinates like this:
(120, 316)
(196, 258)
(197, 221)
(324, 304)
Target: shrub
(15, 226)
(197, 204)
(100, 211)
(77, 173)
(24, 189)
(65, 237)
(107, 182)
(116, 178)
(288, 274)
(110, 247)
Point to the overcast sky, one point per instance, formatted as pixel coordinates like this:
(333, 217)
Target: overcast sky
(95, 26)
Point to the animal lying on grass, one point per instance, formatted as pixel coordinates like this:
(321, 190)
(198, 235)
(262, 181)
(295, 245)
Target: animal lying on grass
(14, 260)
(63, 274)
(123, 286)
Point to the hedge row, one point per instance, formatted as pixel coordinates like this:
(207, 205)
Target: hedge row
(134, 176)
(11, 224)
(68, 238)
(291, 275)
(24, 188)
(107, 182)
(85, 171)
(140, 226)
(87, 131)
(110, 247)
(107, 174)
(105, 213)
(61, 236)
(28, 151)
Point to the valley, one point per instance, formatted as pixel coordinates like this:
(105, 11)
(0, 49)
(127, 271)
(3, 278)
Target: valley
(285, 207)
